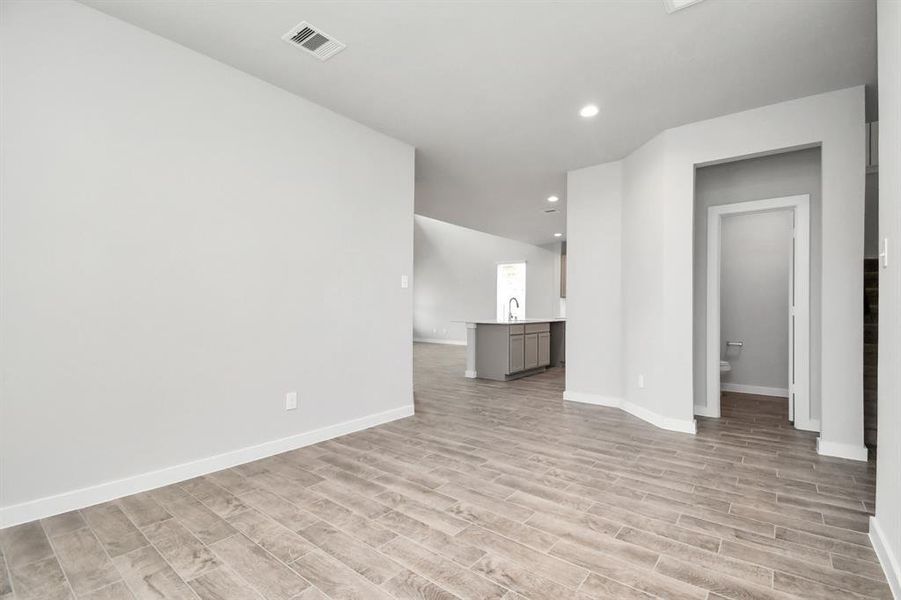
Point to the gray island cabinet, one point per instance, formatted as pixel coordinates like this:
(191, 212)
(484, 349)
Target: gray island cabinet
(509, 350)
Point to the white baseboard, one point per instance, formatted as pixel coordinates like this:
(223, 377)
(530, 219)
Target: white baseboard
(841, 450)
(760, 390)
(886, 556)
(104, 492)
(470, 374)
(706, 411)
(440, 341)
(810, 425)
(596, 399)
(680, 425)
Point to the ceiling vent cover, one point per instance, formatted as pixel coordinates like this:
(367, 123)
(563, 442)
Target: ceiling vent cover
(313, 40)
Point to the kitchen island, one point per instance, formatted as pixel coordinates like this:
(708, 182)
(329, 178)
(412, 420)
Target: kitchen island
(505, 350)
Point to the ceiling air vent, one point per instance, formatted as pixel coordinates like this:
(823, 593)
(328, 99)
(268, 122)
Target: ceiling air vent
(313, 40)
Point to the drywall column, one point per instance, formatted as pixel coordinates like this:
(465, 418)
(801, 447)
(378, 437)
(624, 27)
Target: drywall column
(676, 396)
(841, 361)
(885, 527)
(594, 292)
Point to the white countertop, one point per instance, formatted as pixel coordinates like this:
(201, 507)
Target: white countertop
(516, 322)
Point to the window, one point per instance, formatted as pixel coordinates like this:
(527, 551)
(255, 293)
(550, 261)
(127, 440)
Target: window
(511, 283)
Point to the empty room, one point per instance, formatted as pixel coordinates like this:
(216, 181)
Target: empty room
(445, 299)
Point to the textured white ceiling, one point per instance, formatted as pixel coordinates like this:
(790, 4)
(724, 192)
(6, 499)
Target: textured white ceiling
(489, 92)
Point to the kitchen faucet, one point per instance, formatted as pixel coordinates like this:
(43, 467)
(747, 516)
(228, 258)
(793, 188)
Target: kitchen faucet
(510, 316)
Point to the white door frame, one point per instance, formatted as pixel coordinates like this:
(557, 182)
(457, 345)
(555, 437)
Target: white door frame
(799, 302)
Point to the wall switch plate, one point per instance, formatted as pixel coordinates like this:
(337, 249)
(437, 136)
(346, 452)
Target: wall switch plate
(290, 400)
(641, 382)
(404, 281)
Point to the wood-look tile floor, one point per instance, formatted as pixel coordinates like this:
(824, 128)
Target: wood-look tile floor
(493, 490)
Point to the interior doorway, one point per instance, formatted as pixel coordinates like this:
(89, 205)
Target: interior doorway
(798, 306)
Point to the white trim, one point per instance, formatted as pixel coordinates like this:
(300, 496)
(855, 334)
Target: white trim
(470, 374)
(760, 390)
(799, 387)
(81, 498)
(440, 341)
(703, 411)
(812, 425)
(681, 425)
(668, 423)
(841, 450)
(596, 399)
(886, 557)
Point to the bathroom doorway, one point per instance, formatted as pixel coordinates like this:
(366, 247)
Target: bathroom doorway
(747, 305)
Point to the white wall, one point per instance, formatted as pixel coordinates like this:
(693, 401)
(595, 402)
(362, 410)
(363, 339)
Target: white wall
(754, 296)
(657, 233)
(182, 244)
(594, 283)
(773, 176)
(455, 277)
(645, 325)
(885, 528)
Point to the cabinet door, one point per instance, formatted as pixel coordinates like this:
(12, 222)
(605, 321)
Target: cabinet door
(531, 351)
(516, 354)
(544, 349)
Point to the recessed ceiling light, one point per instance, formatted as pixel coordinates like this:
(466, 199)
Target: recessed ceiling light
(552, 198)
(589, 110)
(558, 235)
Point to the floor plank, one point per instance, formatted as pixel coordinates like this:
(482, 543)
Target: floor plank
(272, 578)
(84, 561)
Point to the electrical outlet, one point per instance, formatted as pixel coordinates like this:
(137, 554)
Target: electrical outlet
(404, 281)
(290, 400)
(641, 382)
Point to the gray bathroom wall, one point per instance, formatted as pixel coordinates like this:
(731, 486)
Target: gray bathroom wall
(754, 300)
(786, 174)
